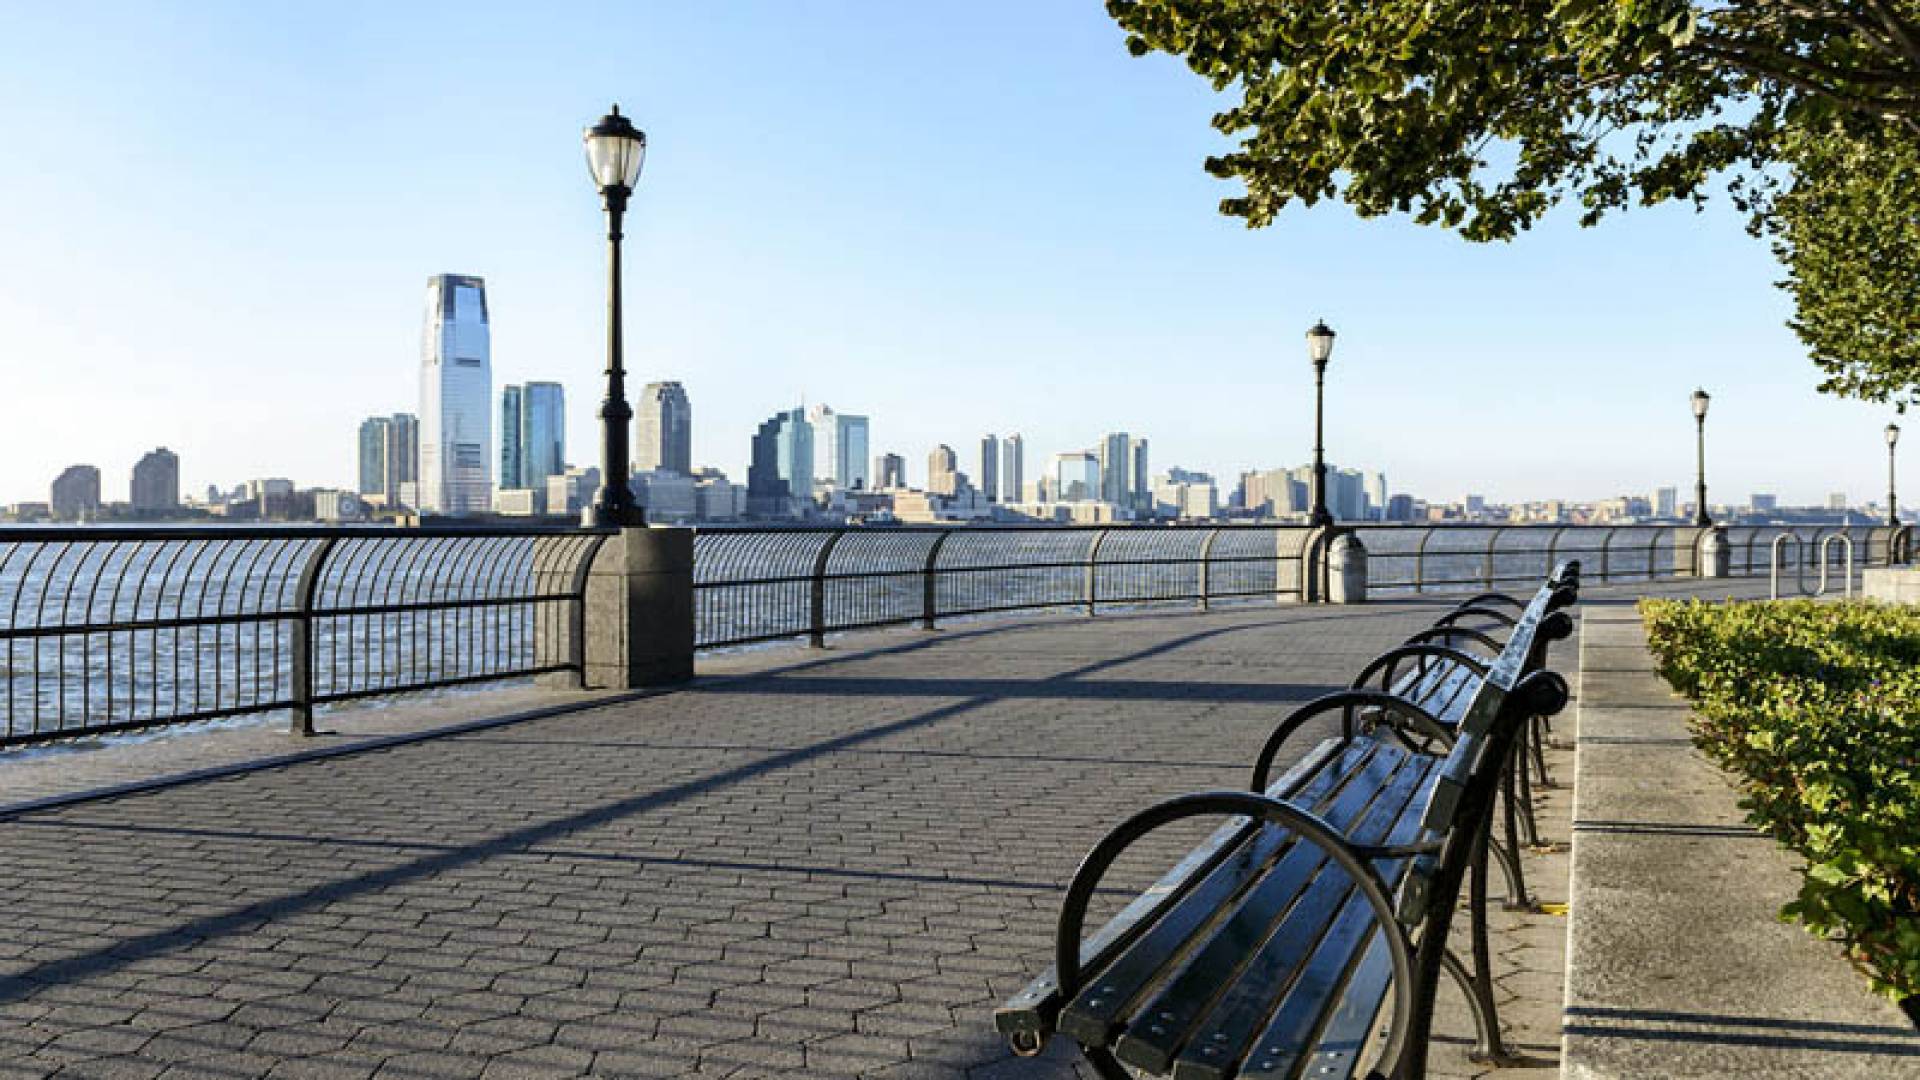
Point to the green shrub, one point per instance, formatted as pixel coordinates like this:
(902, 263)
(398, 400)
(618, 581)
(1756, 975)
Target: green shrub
(1817, 708)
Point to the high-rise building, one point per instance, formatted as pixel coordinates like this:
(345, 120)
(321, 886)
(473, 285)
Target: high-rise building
(1140, 485)
(403, 455)
(533, 434)
(1376, 496)
(839, 447)
(1836, 500)
(990, 468)
(943, 471)
(890, 471)
(1764, 503)
(1013, 469)
(510, 454)
(156, 482)
(664, 426)
(780, 476)
(1666, 502)
(376, 441)
(76, 493)
(456, 392)
(1115, 454)
(1075, 476)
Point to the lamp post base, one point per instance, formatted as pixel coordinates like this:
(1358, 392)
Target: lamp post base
(614, 517)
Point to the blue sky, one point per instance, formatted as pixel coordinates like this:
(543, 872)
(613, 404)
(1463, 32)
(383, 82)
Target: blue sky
(217, 220)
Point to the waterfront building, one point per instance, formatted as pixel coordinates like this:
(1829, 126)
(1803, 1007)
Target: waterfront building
(1075, 477)
(156, 482)
(663, 425)
(76, 493)
(717, 498)
(1400, 508)
(890, 471)
(376, 445)
(780, 474)
(1376, 496)
(1178, 493)
(1115, 454)
(533, 434)
(1273, 493)
(943, 471)
(670, 497)
(572, 491)
(1837, 500)
(456, 391)
(990, 468)
(1666, 502)
(839, 448)
(1013, 468)
(336, 506)
(519, 501)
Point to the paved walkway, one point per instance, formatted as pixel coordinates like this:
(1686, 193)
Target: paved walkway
(804, 865)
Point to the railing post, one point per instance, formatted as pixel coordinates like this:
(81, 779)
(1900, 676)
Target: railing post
(1420, 561)
(1093, 571)
(640, 610)
(1606, 542)
(817, 618)
(1492, 542)
(928, 596)
(303, 639)
(1206, 560)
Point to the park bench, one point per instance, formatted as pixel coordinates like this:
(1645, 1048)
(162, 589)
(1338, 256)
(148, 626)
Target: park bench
(1317, 912)
(1440, 669)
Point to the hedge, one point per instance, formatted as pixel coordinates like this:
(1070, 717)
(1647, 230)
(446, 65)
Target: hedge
(1816, 707)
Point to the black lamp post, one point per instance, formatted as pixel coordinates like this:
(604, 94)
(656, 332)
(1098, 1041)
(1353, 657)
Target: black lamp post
(1319, 348)
(1893, 508)
(615, 151)
(1700, 518)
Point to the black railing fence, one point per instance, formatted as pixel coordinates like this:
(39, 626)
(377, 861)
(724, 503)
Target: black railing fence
(111, 629)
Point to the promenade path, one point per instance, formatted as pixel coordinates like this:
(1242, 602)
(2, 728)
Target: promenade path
(804, 864)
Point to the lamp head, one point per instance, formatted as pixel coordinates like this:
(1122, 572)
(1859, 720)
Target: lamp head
(615, 151)
(1700, 400)
(1319, 343)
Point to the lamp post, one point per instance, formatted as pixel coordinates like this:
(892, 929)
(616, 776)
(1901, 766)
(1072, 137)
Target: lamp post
(615, 151)
(1893, 508)
(1319, 348)
(1700, 518)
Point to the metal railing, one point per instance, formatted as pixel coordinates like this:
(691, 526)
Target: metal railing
(111, 629)
(762, 584)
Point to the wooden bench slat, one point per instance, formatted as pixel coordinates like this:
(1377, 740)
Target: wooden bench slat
(1292, 1031)
(1095, 1013)
(1035, 1008)
(1227, 992)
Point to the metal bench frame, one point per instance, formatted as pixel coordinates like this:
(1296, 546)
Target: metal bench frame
(1453, 830)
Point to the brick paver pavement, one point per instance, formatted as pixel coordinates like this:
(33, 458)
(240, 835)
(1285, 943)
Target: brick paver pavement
(806, 864)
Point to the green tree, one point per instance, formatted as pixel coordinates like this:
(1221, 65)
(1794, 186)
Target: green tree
(1482, 116)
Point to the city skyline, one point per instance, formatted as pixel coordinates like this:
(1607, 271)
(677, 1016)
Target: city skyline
(1050, 265)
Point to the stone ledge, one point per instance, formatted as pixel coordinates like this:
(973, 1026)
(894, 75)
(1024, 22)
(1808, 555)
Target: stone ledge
(1677, 965)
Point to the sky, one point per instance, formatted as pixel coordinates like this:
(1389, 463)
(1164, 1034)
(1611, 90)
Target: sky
(217, 222)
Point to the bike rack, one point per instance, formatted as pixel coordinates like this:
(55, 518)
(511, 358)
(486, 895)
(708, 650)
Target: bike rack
(1799, 565)
(1826, 561)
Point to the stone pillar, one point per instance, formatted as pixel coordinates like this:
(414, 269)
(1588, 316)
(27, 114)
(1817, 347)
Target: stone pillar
(640, 610)
(1716, 553)
(1346, 570)
(1296, 570)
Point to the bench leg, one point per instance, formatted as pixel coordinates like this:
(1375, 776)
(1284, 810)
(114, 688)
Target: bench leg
(1489, 1047)
(1540, 727)
(1529, 827)
(1508, 854)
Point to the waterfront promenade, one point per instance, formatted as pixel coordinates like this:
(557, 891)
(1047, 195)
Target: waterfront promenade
(804, 864)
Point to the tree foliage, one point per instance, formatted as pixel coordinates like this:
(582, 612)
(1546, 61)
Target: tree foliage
(1481, 117)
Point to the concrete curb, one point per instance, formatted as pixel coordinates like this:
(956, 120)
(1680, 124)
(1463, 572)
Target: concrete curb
(1677, 964)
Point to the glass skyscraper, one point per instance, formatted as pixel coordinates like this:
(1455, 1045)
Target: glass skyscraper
(533, 435)
(780, 477)
(456, 391)
(839, 447)
(663, 426)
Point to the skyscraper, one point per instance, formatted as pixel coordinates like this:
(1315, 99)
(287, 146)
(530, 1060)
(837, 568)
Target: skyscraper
(943, 471)
(1122, 477)
(1140, 490)
(76, 493)
(890, 471)
(1013, 469)
(1076, 476)
(780, 475)
(990, 468)
(533, 434)
(663, 425)
(156, 482)
(839, 447)
(1377, 496)
(510, 438)
(376, 442)
(456, 391)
